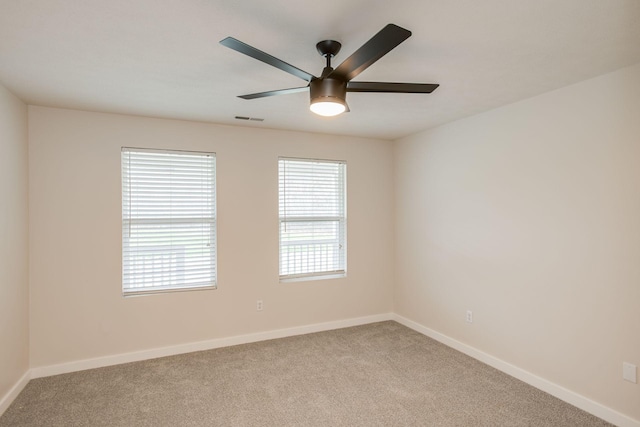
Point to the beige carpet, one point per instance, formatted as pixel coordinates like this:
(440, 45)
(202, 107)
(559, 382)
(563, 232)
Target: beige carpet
(382, 374)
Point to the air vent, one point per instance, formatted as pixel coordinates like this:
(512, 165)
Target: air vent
(254, 119)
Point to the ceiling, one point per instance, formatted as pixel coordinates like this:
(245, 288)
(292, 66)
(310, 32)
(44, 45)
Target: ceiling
(161, 58)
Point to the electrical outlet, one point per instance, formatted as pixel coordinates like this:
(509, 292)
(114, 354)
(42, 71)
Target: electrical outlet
(469, 317)
(629, 372)
(259, 305)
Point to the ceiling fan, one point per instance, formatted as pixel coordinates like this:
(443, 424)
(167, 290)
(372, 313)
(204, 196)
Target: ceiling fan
(328, 92)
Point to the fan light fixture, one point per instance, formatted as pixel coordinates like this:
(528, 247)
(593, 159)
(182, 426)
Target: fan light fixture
(326, 107)
(328, 96)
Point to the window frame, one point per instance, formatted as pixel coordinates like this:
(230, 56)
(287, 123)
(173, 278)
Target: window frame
(341, 219)
(212, 220)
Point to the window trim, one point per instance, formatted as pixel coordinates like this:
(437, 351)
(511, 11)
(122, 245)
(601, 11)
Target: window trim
(334, 274)
(214, 224)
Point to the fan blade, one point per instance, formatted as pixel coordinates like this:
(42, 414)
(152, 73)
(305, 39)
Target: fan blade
(274, 92)
(391, 87)
(378, 46)
(251, 51)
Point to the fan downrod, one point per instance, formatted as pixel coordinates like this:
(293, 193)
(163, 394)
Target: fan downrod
(328, 49)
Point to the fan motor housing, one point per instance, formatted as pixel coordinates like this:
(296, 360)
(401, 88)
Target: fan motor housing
(328, 89)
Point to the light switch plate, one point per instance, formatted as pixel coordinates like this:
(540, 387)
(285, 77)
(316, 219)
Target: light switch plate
(630, 372)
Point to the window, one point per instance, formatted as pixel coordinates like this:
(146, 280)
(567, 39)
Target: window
(313, 218)
(168, 220)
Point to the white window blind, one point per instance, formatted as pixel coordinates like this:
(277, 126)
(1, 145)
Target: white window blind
(312, 196)
(168, 220)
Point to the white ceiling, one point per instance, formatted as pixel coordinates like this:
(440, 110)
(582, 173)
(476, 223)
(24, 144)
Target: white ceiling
(161, 58)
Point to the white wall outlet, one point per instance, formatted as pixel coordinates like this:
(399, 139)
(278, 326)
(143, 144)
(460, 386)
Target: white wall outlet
(469, 316)
(629, 372)
(259, 305)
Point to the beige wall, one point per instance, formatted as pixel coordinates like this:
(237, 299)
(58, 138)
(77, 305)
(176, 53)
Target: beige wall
(77, 310)
(529, 215)
(14, 257)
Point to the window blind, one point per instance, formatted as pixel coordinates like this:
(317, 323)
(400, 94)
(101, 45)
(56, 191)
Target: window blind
(312, 206)
(168, 220)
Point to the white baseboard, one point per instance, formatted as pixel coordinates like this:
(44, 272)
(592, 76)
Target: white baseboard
(8, 398)
(99, 362)
(553, 389)
(556, 390)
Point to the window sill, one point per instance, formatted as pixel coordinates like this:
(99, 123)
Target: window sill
(139, 293)
(289, 279)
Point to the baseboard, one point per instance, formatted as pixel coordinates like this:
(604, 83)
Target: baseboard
(99, 362)
(8, 398)
(547, 386)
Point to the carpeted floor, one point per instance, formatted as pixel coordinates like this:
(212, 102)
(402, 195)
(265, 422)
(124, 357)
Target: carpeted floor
(382, 374)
